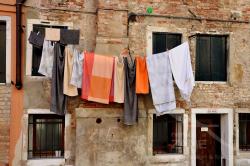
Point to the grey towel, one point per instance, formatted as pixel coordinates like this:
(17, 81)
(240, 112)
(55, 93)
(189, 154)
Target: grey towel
(130, 97)
(69, 36)
(58, 99)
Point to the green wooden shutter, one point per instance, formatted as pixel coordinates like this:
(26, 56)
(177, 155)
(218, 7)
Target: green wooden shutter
(159, 42)
(2, 52)
(218, 58)
(173, 40)
(203, 65)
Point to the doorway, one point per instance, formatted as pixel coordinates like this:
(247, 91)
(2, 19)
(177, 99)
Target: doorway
(208, 138)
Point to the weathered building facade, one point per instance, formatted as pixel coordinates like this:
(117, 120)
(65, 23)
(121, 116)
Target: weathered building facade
(94, 134)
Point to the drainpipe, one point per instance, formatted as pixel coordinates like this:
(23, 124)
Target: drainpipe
(19, 31)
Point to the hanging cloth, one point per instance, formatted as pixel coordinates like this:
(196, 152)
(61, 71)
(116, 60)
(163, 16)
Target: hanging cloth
(161, 82)
(119, 76)
(69, 36)
(52, 34)
(142, 86)
(58, 99)
(130, 97)
(182, 69)
(46, 63)
(68, 89)
(87, 72)
(111, 95)
(76, 77)
(101, 78)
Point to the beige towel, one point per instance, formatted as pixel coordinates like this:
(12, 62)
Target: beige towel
(52, 34)
(119, 81)
(68, 89)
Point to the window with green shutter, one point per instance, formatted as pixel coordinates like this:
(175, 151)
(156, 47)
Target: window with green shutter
(163, 41)
(211, 58)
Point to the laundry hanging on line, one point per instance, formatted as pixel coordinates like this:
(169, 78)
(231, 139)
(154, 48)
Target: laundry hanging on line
(161, 82)
(181, 67)
(82, 70)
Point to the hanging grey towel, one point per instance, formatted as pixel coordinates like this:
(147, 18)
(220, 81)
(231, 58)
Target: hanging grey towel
(58, 99)
(130, 97)
(69, 36)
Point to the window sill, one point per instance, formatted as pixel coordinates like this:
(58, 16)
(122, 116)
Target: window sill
(46, 162)
(161, 158)
(244, 152)
(211, 82)
(37, 77)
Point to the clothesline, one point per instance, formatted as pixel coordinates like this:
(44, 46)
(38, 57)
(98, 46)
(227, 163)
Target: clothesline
(120, 79)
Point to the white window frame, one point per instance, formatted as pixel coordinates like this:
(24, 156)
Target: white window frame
(168, 157)
(8, 48)
(161, 158)
(30, 23)
(243, 154)
(44, 161)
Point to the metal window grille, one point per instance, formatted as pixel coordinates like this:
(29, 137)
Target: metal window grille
(244, 131)
(46, 136)
(168, 134)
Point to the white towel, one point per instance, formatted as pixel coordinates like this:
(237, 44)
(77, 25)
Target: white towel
(161, 82)
(46, 63)
(182, 69)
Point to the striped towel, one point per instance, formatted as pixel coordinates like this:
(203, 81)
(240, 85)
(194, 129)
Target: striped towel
(101, 78)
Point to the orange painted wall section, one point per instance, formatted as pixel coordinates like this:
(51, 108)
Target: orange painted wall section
(16, 95)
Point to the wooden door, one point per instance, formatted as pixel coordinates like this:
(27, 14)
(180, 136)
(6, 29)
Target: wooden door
(208, 147)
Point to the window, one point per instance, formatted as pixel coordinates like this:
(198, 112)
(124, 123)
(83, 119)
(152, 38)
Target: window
(37, 52)
(163, 41)
(168, 134)
(3, 51)
(244, 131)
(46, 136)
(211, 58)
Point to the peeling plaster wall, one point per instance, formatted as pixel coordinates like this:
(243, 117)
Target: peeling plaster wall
(105, 31)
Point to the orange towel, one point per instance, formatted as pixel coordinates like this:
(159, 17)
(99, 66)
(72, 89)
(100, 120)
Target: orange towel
(100, 82)
(87, 71)
(142, 85)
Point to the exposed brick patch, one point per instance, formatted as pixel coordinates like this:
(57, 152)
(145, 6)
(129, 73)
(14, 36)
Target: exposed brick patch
(4, 123)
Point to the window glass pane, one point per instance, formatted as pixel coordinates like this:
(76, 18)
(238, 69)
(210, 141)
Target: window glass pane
(244, 130)
(46, 136)
(167, 134)
(159, 42)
